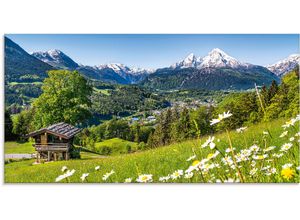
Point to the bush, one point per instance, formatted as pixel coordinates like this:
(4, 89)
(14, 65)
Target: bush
(74, 153)
(105, 150)
(128, 148)
(142, 146)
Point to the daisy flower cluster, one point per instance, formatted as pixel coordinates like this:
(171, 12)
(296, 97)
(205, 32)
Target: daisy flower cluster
(256, 163)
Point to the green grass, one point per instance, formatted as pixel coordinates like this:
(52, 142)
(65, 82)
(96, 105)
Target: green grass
(25, 83)
(12, 147)
(165, 160)
(103, 91)
(116, 145)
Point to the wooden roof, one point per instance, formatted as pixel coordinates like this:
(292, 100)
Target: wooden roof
(61, 129)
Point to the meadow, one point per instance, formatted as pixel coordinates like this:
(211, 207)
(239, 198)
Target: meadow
(12, 147)
(264, 153)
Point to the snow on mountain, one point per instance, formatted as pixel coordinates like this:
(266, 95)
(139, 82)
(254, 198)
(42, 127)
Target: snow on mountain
(122, 69)
(215, 59)
(56, 58)
(189, 61)
(284, 66)
(218, 58)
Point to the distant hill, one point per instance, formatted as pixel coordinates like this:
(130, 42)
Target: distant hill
(21, 66)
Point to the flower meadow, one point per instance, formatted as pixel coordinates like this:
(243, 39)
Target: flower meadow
(264, 153)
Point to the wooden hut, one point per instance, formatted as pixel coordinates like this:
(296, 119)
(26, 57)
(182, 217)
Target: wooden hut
(54, 142)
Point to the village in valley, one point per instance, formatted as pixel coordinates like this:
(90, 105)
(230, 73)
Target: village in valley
(205, 119)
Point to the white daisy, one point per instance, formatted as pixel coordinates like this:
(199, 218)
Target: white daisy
(191, 158)
(188, 175)
(128, 180)
(64, 168)
(287, 165)
(107, 175)
(84, 176)
(209, 142)
(220, 118)
(241, 129)
(144, 178)
(177, 174)
(283, 134)
(286, 147)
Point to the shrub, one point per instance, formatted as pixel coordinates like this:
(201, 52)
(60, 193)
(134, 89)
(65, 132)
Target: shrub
(105, 150)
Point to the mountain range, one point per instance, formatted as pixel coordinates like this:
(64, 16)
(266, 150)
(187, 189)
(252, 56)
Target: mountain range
(112, 72)
(217, 70)
(286, 65)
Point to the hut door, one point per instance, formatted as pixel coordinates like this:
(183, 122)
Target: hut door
(44, 139)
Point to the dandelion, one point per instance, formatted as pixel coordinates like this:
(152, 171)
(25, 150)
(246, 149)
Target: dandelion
(84, 176)
(177, 174)
(191, 158)
(220, 118)
(241, 129)
(188, 175)
(269, 148)
(286, 147)
(64, 168)
(283, 134)
(128, 180)
(97, 168)
(287, 173)
(144, 178)
(260, 157)
(210, 142)
(253, 171)
(107, 175)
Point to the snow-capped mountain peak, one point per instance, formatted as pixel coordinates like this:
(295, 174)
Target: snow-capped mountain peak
(122, 69)
(56, 58)
(286, 65)
(189, 61)
(218, 58)
(215, 58)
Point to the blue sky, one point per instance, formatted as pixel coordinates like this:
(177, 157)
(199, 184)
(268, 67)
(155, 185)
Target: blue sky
(155, 50)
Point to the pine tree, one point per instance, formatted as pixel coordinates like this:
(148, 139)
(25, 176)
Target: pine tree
(166, 123)
(184, 124)
(272, 90)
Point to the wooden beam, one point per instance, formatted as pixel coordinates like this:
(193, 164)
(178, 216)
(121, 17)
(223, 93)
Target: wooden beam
(49, 155)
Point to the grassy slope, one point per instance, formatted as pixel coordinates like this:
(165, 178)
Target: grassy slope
(12, 147)
(117, 145)
(158, 162)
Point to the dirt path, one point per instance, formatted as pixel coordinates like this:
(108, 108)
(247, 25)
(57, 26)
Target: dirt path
(19, 156)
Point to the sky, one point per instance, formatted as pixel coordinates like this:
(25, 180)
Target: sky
(160, 50)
